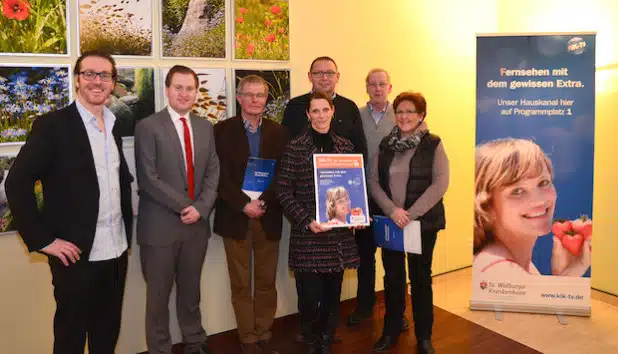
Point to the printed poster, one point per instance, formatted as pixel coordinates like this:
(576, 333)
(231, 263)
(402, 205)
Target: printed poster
(341, 190)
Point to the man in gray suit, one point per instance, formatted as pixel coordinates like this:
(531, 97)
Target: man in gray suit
(177, 173)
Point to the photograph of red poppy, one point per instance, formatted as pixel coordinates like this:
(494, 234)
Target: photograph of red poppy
(261, 30)
(33, 27)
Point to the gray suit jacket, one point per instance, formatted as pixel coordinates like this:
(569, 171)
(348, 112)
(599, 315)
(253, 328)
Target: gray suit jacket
(162, 179)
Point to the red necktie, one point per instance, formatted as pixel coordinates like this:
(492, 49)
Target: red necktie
(189, 156)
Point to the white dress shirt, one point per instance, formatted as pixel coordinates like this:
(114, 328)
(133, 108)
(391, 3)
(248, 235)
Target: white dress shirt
(181, 132)
(110, 239)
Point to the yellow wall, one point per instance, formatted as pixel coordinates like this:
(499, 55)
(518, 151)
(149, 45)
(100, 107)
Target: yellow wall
(426, 45)
(600, 16)
(414, 42)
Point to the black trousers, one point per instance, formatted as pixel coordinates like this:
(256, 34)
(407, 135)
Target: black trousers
(88, 302)
(319, 296)
(366, 272)
(419, 272)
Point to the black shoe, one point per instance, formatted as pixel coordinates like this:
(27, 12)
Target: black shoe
(425, 347)
(385, 343)
(405, 324)
(314, 348)
(358, 316)
(203, 349)
(336, 338)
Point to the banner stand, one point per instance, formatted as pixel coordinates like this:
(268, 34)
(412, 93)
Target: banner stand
(535, 119)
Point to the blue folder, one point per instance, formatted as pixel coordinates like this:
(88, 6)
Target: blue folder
(388, 235)
(258, 176)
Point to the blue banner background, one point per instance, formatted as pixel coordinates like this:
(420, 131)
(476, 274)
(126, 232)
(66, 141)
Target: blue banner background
(568, 140)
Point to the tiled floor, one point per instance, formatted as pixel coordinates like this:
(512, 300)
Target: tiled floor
(594, 334)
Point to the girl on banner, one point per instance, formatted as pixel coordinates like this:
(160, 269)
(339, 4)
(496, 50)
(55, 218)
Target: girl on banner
(514, 205)
(318, 253)
(409, 177)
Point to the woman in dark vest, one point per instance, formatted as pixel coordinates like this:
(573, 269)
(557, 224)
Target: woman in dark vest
(318, 253)
(408, 179)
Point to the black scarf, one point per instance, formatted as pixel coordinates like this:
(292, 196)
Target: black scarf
(397, 143)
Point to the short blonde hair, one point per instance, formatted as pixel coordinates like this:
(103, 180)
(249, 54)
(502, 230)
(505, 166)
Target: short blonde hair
(501, 163)
(332, 196)
(377, 70)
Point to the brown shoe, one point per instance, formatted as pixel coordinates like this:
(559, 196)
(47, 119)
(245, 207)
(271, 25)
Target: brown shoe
(250, 348)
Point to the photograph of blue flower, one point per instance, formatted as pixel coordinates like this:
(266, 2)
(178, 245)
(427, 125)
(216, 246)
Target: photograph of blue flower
(278, 91)
(27, 92)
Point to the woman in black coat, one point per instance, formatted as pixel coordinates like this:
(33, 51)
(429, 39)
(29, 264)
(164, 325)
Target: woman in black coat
(318, 253)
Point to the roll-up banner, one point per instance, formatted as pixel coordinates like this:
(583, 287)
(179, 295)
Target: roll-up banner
(534, 173)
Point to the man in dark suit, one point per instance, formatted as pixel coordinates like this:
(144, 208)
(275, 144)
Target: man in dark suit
(250, 221)
(85, 224)
(324, 76)
(177, 174)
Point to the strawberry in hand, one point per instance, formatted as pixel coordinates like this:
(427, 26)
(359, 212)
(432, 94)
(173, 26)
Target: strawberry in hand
(571, 254)
(560, 227)
(583, 226)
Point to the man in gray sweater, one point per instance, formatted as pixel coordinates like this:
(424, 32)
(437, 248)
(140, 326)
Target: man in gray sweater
(378, 120)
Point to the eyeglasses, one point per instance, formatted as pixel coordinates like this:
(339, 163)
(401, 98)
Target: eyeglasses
(406, 112)
(329, 74)
(259, 95)
(92, 75)
(380, 85)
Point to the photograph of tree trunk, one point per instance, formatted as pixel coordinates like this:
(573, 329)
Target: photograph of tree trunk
(193, 28)
(117, 27)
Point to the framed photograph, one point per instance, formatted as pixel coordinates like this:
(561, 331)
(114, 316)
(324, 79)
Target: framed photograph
(133, 97)
(118, 27)
(27, 92)
(34, 27)
(193, 29)
(211, 101)
(278, 91)
(261, 30)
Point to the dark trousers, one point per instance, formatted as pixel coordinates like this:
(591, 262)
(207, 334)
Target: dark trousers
(319, 296)
(419, 272)
(366, 272)
(88, 303)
